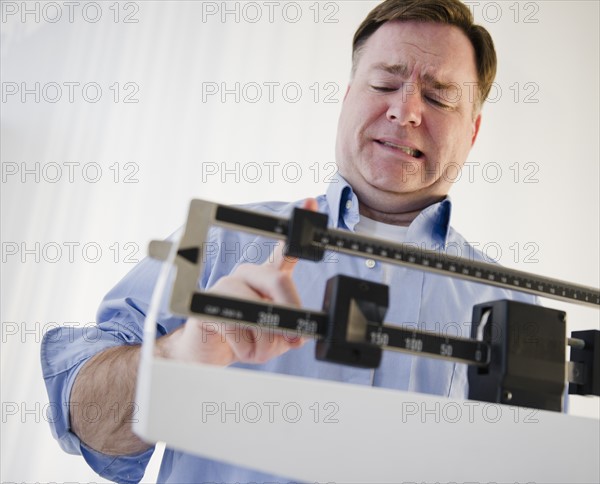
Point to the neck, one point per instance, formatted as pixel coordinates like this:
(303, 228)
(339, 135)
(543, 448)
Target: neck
(404, 218)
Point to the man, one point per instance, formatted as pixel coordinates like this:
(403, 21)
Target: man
(421, 72)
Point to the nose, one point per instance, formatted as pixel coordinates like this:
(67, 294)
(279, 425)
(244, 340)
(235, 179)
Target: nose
(406, 107)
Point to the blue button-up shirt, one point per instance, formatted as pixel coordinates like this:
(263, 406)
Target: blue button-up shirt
(417, 299)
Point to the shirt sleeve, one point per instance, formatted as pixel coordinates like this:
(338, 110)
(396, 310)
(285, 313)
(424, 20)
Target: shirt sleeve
(120, 321)
(65, 350)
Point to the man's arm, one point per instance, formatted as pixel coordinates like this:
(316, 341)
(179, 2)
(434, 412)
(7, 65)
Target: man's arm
(102, 402)
(106, 383)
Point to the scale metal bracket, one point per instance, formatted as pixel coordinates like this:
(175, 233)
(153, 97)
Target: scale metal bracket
(504, 366)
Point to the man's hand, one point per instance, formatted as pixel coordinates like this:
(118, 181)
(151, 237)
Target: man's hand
(227, 343)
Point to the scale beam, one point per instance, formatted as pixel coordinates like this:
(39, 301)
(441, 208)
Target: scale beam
(411, 257)
(313, 324)
(350, 329)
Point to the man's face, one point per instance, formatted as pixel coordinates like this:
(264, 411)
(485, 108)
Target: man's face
(404, 121)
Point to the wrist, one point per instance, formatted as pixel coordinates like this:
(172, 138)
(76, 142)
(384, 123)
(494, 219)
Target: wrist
(166, 345)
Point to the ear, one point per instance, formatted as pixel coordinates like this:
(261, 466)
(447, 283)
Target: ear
(476, 125)
(347, 91)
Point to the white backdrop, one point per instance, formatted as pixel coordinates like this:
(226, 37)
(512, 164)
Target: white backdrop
(115, 115)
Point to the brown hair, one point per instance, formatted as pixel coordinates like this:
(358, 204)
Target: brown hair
(451, 12)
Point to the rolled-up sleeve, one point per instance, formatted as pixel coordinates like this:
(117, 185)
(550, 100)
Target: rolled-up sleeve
(66, 349)
(64, 352)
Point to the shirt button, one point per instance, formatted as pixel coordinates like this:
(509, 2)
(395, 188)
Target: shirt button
(348, 204)
(370, 263)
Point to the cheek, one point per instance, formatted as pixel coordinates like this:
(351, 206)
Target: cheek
(451, 139)
(345, 127)
(362, 111)
(350, 135)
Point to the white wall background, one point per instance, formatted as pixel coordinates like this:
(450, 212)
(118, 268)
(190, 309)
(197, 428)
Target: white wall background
(539, 213)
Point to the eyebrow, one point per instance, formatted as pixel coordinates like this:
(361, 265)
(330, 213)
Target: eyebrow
(403, 71)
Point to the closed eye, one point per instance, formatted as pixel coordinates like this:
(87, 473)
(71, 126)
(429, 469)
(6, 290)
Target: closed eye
(383, 89)
(437, 103)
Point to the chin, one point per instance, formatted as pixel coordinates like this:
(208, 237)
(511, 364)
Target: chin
(398, 185)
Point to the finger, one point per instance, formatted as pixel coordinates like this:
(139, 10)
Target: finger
(236, 286)
(272, 346)
(259, 346)
(269, 283)
(284, 262)
(278, 260)
(310, 204)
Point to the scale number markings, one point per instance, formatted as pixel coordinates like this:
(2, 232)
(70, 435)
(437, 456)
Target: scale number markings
(446, 349)
(413, 344)
(270, 319)
(306, 326)
(380, 339)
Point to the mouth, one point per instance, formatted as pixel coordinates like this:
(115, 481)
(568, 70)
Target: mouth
(405, 149)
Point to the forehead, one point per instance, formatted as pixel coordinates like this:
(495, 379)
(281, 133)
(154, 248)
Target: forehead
(432, 49)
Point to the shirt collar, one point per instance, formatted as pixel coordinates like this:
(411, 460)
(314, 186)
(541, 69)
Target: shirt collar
(431, 226)
(343, 204)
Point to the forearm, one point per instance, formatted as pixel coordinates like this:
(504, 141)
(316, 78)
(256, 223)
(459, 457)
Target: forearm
(102, 405)
(102, 398)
